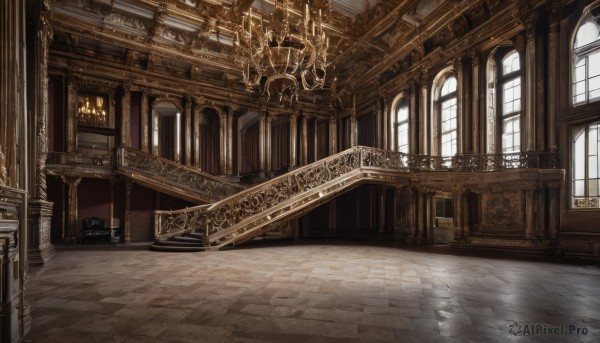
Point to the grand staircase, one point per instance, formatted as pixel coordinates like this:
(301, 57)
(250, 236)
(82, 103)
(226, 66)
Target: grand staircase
(257, 210)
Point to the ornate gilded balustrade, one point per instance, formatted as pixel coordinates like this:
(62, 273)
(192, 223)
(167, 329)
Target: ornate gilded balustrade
(207, 187)
(244, 214)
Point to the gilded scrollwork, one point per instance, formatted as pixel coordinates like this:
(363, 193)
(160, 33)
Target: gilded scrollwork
(201, 182)
(254, 208)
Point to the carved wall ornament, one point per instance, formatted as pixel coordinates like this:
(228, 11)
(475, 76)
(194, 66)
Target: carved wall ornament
(166, 98)
(3, 175)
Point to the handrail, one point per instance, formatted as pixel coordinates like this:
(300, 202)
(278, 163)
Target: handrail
(214, 187)
(74, 158)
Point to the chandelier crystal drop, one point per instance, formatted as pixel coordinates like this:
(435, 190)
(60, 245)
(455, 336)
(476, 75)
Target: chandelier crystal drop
(279, 57)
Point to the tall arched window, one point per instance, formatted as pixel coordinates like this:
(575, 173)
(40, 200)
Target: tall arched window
(586, 62)
(510, 83)
(585, 166)
(448, 110)
(402, 132)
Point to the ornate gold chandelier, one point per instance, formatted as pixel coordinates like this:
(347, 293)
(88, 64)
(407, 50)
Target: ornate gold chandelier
(279, 58)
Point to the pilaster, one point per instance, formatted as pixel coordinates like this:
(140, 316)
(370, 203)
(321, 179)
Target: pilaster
(293, 138)
(127, 226)
(144, 123)
(73, 229)
(187, 131)
(126, 116)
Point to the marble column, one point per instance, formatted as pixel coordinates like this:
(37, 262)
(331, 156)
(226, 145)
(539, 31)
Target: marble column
(127, 224)
(229, 142)
(73, 229)
(459, 231)
(475, 71)
(413, 115)
(461, 133)
(353, 129)
(40, 248)
(268, 147)
(262, 144)
(420, 216)
(222, 142)
(111, 205)
(429, 217)
(197, 109)
(553, 210)
(424, 117)
(385, 143)
(332, 135)
(381, 200)
(529, 213)
(187, 132)
(411, 220)
(304, 141)
(126, 116)
(530, 87)
(144, 123)
(71, 113)
(379, 124)
(293, 139)
(552, 76)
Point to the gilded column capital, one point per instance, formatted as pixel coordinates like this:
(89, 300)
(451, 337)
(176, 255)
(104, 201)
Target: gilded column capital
(71, 181)
(475, 58)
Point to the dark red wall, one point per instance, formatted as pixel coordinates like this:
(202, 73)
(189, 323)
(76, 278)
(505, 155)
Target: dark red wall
(94, 199)
(56, 101)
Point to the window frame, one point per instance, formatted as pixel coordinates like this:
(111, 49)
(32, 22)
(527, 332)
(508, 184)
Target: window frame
(501, 80)
(440, 101)
(579, 53)
(583, 130)
(402, 103)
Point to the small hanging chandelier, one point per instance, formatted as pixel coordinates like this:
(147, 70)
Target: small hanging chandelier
(279, 58)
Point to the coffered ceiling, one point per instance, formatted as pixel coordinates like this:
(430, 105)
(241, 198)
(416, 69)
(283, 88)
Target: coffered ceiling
(369, 39)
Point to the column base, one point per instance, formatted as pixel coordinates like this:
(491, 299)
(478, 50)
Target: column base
(39, 249)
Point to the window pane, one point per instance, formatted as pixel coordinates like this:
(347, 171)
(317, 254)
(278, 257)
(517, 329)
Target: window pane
(593, 167)
(580, 71)
(579, 157)
(594, 64)
(586, 34)
(402, 114)
(579, 188)
(510, 135)
(593, 140)
(449, 86)
(593, 188)
(510, 63)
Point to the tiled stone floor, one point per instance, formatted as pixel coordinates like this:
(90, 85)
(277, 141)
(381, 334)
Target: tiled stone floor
(309, 292)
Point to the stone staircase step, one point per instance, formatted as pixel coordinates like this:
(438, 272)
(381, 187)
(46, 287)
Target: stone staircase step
(187, 239)
(195, 235)
(171, 242)
(174, 248)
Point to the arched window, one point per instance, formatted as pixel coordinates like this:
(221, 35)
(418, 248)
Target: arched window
(586, 62)
(402, 128)
(585, 166)
(510, 84)
(448, 110)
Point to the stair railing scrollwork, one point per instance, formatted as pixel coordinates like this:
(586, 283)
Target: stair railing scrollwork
(183, 176)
